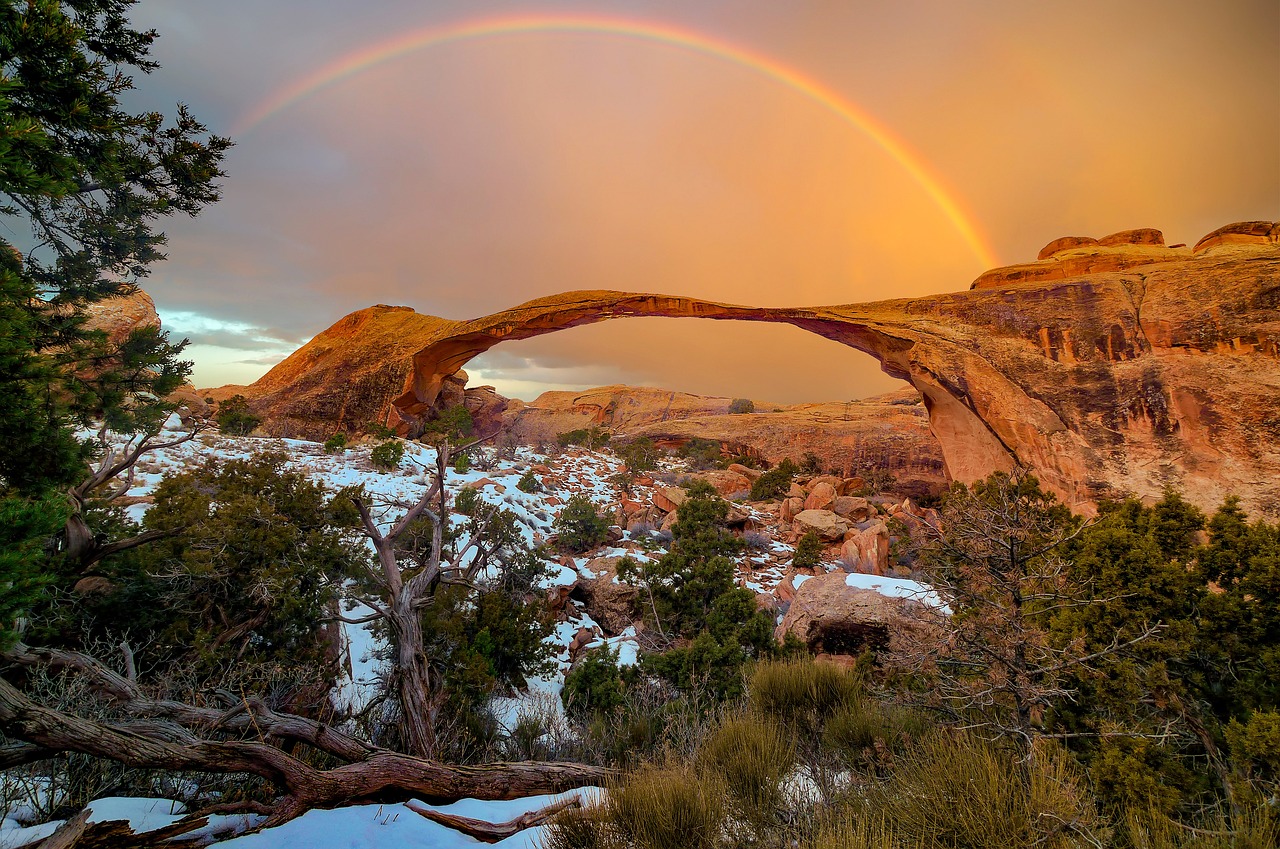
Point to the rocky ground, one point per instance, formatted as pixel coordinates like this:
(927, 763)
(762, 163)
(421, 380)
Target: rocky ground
(858, 585)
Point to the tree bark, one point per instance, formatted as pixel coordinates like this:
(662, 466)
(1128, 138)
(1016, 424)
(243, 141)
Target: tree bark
(382, 774)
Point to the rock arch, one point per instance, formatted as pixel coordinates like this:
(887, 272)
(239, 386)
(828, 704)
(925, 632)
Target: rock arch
(1122, 382)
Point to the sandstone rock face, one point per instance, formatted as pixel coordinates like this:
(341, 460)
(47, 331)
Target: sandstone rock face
(118, 317)
(867, 551)
(833, 618)
(888, 433)
(1106, 369)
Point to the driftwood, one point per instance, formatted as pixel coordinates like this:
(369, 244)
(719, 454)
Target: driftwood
(243, 739)
(491, 832)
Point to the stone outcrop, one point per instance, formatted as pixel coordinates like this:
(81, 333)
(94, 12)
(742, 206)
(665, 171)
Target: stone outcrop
(885, 434)
(832, 618)
(1107, 369)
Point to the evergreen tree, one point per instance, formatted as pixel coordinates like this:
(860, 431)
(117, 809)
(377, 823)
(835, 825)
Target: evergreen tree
(83, 182)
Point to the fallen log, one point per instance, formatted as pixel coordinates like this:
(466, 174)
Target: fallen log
(177, 736)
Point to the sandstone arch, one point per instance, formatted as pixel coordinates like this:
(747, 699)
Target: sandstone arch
(1109, 369)
(1105, 384)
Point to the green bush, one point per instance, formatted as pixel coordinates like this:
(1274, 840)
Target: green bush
(741, 405)
(587, 437)
(752, 757)
(336, 444)
(594, 685)
(529, 482)
(669, 808)
(579, 527)
(639, 454)
(451, 425)
(581, 828)
(802, 693)
(461, 463)
(773, 483)
(387, 455)
(235, 418)
(808, 551)
(466, 500)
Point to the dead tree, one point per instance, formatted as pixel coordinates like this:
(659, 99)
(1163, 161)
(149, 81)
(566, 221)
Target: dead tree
(245, 736)
(110, 478)
(405, 589)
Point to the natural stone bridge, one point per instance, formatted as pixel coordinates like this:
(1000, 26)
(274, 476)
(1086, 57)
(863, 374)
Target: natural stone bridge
(1109, 367)
(1165, 373)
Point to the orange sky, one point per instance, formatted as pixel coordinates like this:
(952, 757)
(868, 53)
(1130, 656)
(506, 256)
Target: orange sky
(469, 176)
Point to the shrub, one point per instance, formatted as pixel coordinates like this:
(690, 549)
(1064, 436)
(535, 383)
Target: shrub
(639, 454)
(579, 526)
(452, 425)
(587, 437)
(810, 463)
(594, 686)
(336, 444)
(957, 790)
(741, 405)
(757, 541)
(802, 693)
(580, 828)
(529, 482)
(466, 501)
(865, 734)
(671, 808)
(808, 551)
(387, 455)
(701, 453)
(461, 463)
(752, 757)
(235, 418)
(774, 482)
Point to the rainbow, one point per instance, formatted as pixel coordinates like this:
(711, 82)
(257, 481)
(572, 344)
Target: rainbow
(361, 60)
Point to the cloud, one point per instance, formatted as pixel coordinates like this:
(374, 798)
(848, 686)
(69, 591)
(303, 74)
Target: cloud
(470, 177)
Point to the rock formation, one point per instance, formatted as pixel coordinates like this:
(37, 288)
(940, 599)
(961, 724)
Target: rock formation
(1114, 368)
(888, 433)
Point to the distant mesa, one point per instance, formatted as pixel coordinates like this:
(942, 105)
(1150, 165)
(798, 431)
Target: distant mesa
(1110, 366)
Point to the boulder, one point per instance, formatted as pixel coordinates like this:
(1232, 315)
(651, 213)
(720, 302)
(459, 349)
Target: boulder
(797, 491)
(822, 496)
(853, 508)
(607, 600)
(827, 525)
(746, 471)
(852, 485)
(791, 507)
(1241, 233)
(668, 498)
(1140, 236)
(830, 480)
(867, 551)
(830, 617)
(726, 481)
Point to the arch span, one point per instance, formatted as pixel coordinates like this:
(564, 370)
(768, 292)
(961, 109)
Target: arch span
(880, 330)
(1107, 384)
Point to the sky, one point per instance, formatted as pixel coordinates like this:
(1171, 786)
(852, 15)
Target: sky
(463, 156)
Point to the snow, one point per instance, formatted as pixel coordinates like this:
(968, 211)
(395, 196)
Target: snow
(897, 588)
(382, 826)
(141, 814)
